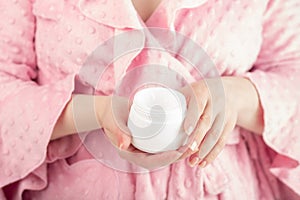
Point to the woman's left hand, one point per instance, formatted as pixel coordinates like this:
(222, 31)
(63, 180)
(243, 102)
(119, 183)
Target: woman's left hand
(213, 106)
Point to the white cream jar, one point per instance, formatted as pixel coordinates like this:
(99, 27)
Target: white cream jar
(155, 119)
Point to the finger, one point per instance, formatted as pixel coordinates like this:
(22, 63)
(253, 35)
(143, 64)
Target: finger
(123, 134)
(124, 140)
(197, 136)
(111, 138)
(219, 146)
(211, 137)
(186, 151)
(118, 137)
(204, 124)
(208, 141)
(196, 101)
(119, 134)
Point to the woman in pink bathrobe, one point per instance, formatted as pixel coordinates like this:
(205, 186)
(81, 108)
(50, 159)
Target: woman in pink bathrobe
(255, 46)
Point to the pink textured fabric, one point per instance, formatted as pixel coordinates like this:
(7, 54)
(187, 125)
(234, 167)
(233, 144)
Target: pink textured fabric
(43, 44)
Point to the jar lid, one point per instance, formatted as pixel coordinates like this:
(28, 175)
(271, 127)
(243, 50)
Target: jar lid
(159, 100)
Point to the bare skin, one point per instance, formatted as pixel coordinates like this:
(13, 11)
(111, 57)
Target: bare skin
(145, 8)
(243, 108)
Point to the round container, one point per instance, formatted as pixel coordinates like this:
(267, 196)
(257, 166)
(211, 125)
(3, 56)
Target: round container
(155, 119)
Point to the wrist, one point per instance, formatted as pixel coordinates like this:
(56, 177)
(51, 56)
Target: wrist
(81, 113)
(233, 94)
(244, 97)
(85, 112)
(65, 124)
(102, 104)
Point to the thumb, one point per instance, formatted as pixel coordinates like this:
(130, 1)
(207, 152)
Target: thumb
(124, 138)
(189, 116)
(119, 138)
(195, 107)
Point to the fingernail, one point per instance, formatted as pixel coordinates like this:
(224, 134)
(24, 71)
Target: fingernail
(189, 130)
(194, 161)
(193, 146)
(203, 164)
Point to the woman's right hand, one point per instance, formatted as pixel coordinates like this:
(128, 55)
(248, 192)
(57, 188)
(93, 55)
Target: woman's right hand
(114, 121)
(112, 114)
(87, 112)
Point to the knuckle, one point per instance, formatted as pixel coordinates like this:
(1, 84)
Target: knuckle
(199, 135)
(205, 118)
(198, 90)
(215, 134)
(195, 85)
(213, 137)
(201, 103)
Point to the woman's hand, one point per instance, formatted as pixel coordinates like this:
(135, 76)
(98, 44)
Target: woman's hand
(150, 161)
(213, 112)
(89, 112)
(114, 121)
(112, 114)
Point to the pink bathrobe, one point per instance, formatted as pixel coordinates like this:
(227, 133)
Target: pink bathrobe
(43, 44)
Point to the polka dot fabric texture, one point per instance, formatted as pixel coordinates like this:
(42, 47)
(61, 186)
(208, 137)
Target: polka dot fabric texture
(43, 44)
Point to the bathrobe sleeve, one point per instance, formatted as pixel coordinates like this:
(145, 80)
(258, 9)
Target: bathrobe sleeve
(28, 110)
(276, 75)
